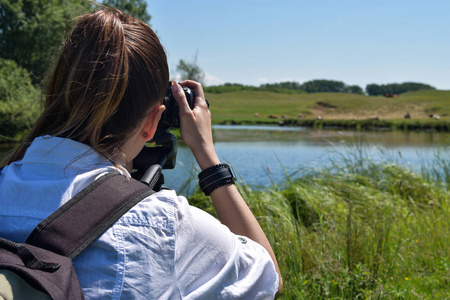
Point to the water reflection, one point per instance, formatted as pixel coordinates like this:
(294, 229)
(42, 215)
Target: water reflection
(263, 155)
(230, 133)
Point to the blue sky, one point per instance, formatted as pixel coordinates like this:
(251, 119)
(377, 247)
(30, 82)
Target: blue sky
(354, 41)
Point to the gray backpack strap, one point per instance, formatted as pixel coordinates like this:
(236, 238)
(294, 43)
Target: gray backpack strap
(80, 221)
(28, 272)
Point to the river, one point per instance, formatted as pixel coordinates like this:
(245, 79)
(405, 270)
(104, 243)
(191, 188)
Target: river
(263, 155)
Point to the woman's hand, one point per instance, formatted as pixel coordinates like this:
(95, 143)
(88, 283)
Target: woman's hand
(196, 124)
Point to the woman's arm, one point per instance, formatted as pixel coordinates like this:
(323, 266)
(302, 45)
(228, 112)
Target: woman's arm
(228, 203)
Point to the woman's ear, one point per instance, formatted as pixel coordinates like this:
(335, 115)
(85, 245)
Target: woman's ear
(151, 122)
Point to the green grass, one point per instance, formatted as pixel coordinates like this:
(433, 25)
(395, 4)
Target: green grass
(359, 230)
(241, 107)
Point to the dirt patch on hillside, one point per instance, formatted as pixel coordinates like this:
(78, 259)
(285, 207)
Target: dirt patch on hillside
(414, 112)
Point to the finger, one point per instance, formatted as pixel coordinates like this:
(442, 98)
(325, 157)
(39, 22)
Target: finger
(195, 86)
(198, 92)
(180, 97)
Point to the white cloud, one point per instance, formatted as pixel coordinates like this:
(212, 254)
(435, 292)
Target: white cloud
(208, 80)
(212, 80)
(263, 80)
(176, 77)
(291, 80)
(285, 79)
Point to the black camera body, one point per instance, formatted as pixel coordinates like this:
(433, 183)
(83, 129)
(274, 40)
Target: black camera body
(171, 116)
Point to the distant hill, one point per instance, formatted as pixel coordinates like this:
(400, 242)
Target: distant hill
(256, 106)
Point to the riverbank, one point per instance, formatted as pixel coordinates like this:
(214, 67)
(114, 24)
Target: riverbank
(358, 230)
(369, 124)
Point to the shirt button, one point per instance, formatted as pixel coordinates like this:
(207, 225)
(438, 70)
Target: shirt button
(242, 240)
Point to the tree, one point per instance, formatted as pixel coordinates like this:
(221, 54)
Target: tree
(288, 85)
(324, 86)
(32, 30)
(355, 89)
(396, 88)
(136, 8)
(190, 70)
(416, 86)
(19, 101)
(374, 89)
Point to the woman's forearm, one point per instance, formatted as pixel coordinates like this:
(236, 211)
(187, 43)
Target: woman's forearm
(233, 212)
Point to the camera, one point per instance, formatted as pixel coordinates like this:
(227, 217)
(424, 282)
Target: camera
(171, 116)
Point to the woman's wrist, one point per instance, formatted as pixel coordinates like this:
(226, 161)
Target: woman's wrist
(207, 163)
(206, 158)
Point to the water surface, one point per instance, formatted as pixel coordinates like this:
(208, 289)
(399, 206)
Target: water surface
(263, 155)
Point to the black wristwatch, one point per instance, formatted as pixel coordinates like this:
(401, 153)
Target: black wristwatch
(215, 177)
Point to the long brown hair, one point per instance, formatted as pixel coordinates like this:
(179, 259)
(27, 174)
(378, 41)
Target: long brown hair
(111, 71)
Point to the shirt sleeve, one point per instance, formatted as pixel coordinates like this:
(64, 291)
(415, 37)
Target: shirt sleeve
(213, 263)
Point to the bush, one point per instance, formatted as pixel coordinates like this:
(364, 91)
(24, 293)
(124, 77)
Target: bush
(19, 99)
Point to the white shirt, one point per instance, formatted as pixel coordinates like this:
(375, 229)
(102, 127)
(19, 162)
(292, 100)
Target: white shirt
(163, 248)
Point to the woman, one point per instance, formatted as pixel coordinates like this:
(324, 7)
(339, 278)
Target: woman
(103, 103)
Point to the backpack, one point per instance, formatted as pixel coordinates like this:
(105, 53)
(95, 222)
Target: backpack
(41, 268)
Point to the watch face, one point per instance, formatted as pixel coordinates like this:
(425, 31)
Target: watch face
(233, 174)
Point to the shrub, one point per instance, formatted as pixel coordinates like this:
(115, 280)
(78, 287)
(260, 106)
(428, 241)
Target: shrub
(19, 99)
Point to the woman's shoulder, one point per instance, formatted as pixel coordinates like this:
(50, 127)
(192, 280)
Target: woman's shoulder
(157, 210)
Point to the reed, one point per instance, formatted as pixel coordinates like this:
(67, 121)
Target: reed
(359, 229)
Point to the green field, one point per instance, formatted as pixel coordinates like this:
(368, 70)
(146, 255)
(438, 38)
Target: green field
(241, 107)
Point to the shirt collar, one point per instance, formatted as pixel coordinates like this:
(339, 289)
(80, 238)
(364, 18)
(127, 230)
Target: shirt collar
(64, 152)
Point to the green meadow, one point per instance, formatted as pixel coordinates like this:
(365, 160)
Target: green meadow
(335, 109)
(359, 229)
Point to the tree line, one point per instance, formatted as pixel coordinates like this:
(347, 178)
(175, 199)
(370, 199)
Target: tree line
(323, 86)
(396, 88)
